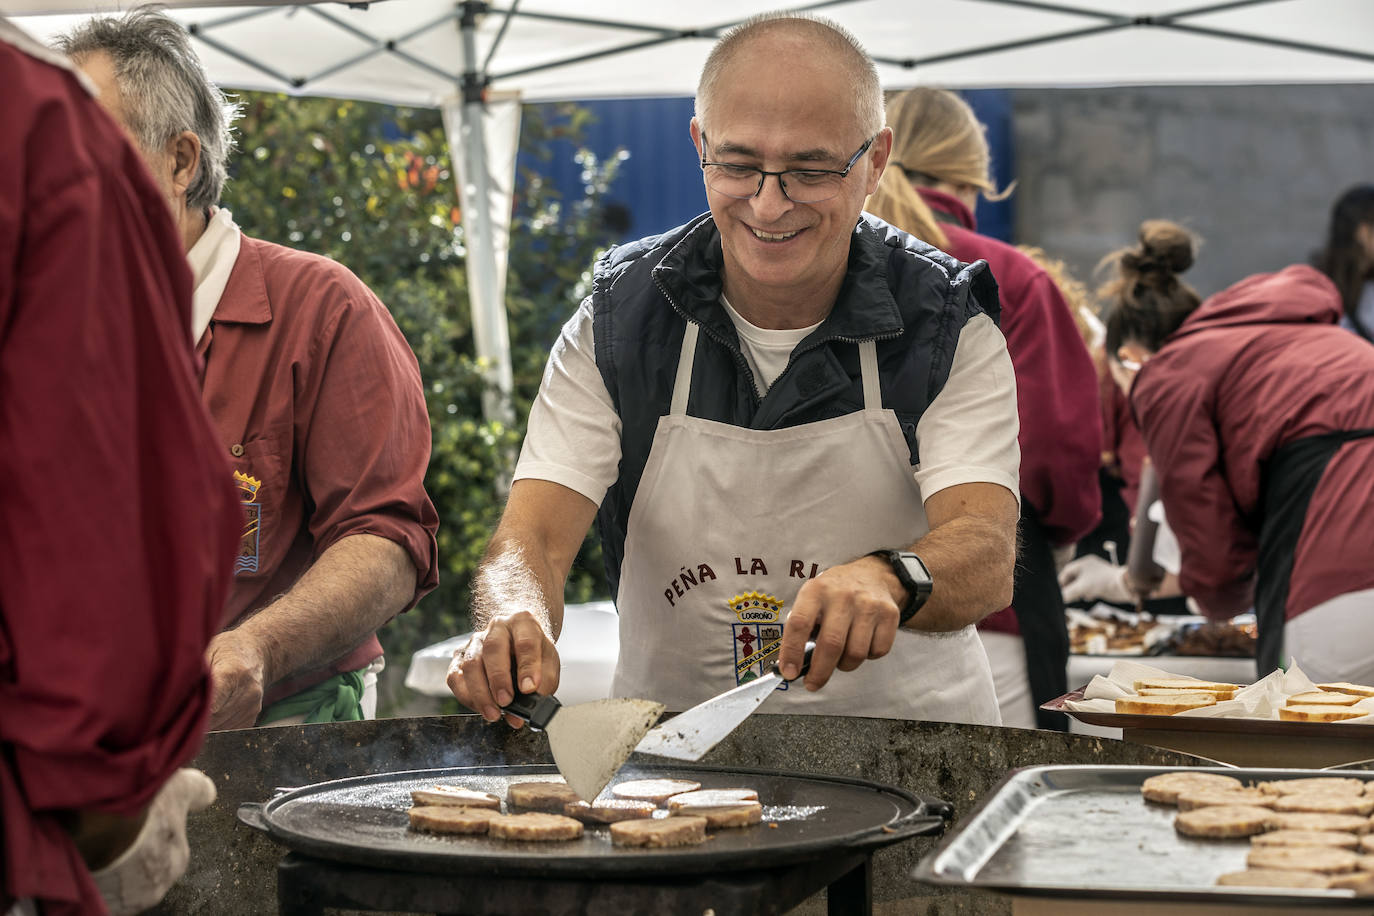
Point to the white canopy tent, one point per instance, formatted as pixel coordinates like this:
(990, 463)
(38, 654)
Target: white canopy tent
(460, 56)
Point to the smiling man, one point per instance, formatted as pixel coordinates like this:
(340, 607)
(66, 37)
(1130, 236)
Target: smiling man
(791, 420)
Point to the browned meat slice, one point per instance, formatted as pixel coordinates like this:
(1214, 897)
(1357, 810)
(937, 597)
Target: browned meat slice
(1302, 858)
(1274, 877)
(455, 795)
(659, 833)
(1166, 787)
(1306, 820)
(451, 819)
(657, 791)
(534, 826)
(610, 810)
(552, 797)
(1208, 798)
(1223, 821)
(1306, 838)
(1337, 784)
(1326, 803)
(730, 814)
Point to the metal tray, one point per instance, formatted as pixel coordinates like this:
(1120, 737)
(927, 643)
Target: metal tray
(1085, 831)
(1277, 728)
(362, 820)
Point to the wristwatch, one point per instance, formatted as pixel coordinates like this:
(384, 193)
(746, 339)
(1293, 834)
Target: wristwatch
(913, 575)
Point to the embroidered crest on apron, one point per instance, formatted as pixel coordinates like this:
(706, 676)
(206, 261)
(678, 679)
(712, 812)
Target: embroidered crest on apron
(728, 523)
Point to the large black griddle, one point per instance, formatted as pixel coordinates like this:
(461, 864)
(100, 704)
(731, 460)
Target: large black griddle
(362, 820)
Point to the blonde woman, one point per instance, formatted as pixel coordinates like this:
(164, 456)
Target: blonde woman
(938, 170)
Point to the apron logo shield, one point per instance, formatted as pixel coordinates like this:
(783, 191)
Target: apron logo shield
(250, 542)
(758, 635)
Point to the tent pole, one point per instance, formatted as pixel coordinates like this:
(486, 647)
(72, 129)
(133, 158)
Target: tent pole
(489, 329)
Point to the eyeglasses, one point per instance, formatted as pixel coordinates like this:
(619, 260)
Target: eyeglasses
(801, 186)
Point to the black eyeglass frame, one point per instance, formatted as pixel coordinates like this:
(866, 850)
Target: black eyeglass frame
(764, 173)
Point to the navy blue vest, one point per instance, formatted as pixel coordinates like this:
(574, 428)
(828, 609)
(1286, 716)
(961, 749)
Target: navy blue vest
(908, 296)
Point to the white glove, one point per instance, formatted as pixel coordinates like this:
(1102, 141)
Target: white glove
(146, 871)
(1091, 577)
(1063, 555)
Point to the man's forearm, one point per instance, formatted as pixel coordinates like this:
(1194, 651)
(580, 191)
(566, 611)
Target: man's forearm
(971, 561)
(508, 581)
(355, 587)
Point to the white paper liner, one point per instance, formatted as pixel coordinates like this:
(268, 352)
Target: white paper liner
(1261, 700)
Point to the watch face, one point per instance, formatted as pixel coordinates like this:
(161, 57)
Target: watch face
(916, 569)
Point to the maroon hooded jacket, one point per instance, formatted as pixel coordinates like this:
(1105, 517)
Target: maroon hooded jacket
(1256, 367)
(1056, 385)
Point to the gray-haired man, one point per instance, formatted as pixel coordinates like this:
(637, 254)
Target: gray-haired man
(315, 394)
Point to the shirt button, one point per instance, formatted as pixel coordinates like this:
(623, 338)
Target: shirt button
(236, 450)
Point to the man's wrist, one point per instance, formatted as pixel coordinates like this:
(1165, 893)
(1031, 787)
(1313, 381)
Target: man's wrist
(914, 581)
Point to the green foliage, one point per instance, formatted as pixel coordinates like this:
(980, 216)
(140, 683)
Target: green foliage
(372, 187)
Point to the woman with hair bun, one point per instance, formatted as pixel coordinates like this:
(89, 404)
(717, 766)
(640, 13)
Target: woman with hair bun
(938, 169)
(1258, 412)
(1348, 258)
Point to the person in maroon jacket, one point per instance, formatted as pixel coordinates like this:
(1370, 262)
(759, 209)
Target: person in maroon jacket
(119, 521)
(1258, 412)
(939, 167)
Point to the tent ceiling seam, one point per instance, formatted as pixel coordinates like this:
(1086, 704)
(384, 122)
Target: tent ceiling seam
(911, 63)
(224, 49)
(1214, 8)
(1329, 50)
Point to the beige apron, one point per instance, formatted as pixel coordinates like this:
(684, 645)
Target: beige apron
(728, 523)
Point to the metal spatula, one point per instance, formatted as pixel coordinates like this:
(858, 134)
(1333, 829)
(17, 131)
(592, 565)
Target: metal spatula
(690, 735)
(589, 741)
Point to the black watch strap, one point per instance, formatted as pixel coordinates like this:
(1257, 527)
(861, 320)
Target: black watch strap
(913, 576)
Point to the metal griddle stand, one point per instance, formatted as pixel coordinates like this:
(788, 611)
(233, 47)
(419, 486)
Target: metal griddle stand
(306, 886)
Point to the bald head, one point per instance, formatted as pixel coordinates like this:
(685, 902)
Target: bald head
(793, 37)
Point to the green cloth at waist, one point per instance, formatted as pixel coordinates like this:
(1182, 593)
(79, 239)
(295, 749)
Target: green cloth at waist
(338, 699)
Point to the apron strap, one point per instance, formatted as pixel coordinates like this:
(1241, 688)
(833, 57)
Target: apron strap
(1287, 483)
(868, 366)
(682, 385)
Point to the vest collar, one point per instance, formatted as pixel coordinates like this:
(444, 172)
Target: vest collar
(689, 275)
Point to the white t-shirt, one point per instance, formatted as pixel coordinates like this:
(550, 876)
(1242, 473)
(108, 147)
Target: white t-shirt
(766, 351)
(966, 435)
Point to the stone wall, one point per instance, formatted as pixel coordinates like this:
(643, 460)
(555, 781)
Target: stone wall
(1252, 169)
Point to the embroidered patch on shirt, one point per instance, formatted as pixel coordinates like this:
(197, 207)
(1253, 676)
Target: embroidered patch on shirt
(247, 561)
(758, 636)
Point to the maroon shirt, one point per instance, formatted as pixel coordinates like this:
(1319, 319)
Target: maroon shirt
(319, 406)
(1056, 386)
(1257, 366)
(118, 521)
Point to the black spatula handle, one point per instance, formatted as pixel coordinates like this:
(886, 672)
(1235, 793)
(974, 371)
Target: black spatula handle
(805, 665)
(533, 708)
